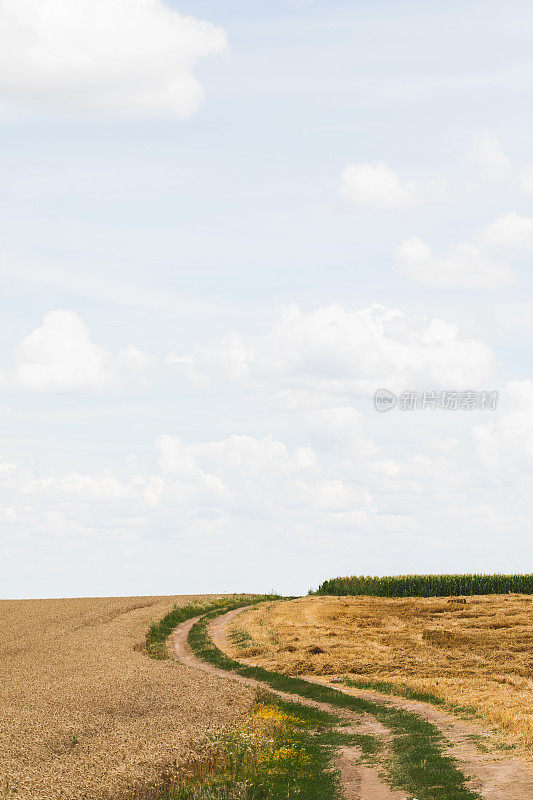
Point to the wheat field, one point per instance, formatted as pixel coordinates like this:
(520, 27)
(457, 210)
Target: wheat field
(476, 653)
(87, 715)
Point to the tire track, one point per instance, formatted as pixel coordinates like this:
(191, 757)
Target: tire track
(494, 776)
(359, 781)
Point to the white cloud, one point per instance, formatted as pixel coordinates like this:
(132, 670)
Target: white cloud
(488, 157)
(493, 164)
(525, 180)
(506, 443)
(338, 428)
(244, 456)
(134, 361)
(375, 186)
(320, 359)
(508, 233)
(245, 492)
(112, 57)
(482, 262)
(61, 357)
(328, 356)
(462, 266)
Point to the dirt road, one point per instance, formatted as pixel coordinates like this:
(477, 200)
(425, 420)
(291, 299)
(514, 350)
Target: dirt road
(359, 781)
(494, 776)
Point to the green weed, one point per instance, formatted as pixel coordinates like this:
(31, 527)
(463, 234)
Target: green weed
(281, 751)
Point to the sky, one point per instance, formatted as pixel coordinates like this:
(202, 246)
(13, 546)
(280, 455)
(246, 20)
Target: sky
(224, 226)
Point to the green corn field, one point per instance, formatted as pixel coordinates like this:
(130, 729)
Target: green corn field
(427, 585)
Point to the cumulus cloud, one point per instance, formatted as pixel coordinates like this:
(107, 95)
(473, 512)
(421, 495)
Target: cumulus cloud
(330, 355)
(242, 460)
(482, 262)
(493, 164)
(61, 357)
(318, 359)
(506, 443)
(338, 428)
(342, 491)
(375, 186)
(111, 57)
(214, 487)
(234, 478)
(508, 233)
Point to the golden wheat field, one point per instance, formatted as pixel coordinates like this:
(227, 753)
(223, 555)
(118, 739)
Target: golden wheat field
(477, 654)
(84, 714)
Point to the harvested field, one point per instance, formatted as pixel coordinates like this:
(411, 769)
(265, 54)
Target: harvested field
(478, 653)
(84, 714)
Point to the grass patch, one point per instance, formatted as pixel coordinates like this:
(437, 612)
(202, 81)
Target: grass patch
(418, 763)
(402, 690)
(281, 750)
(242, 640)
(370, 745)
(479, 742)
(489, 745)
(399, 689)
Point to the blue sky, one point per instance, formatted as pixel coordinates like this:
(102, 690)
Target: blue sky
(218, 240)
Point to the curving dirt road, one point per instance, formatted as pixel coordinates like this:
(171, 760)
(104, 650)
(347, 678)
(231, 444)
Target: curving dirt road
(359, 781)
(493, 775)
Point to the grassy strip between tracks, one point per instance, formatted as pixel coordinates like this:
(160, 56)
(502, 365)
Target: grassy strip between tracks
(403, 690)
(158, 633)
(417, 764)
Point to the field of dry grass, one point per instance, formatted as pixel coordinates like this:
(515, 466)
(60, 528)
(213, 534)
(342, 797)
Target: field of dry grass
(476, 654)
(84, 714)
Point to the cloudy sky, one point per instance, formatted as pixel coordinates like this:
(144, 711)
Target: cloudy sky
(224, 226)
